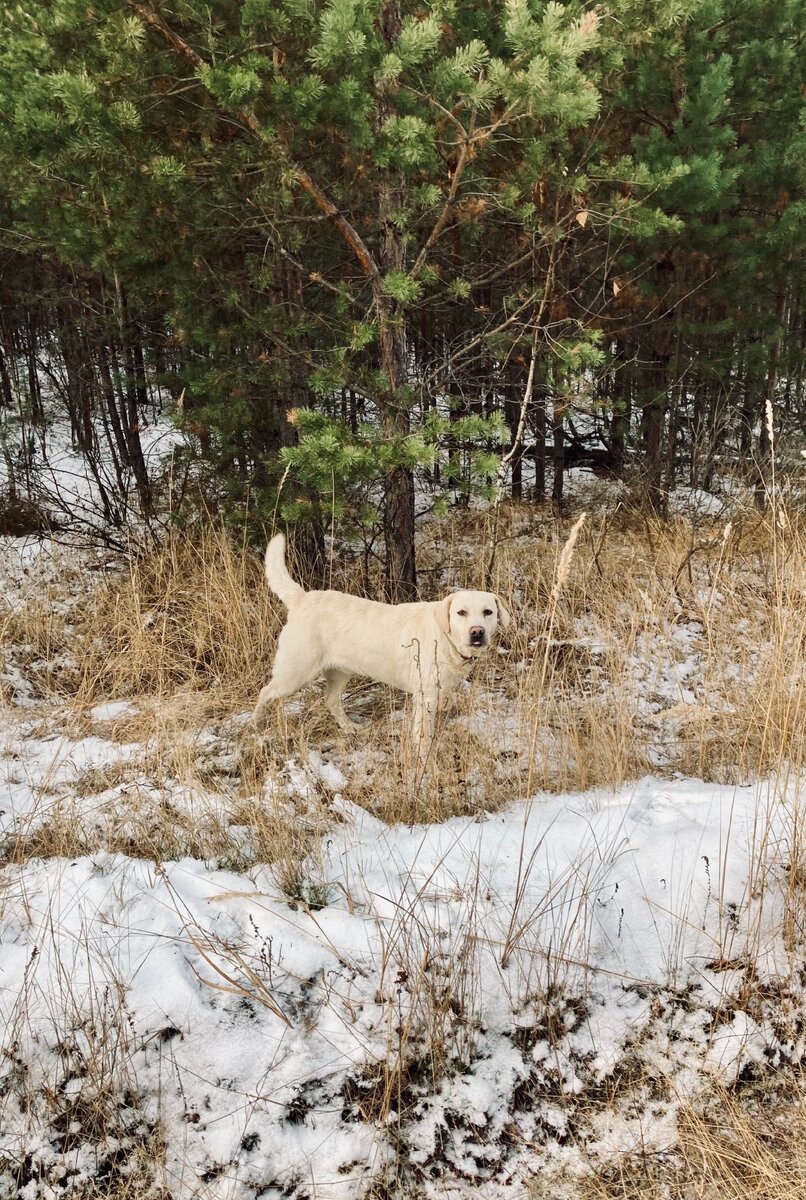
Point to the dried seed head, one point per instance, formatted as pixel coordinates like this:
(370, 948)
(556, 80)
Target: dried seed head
(566, 554)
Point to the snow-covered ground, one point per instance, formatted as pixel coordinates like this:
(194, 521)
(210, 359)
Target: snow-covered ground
(462, 997)
(459, 1008)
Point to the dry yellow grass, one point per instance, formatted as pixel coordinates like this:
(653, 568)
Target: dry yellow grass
(190, 617)
(636, 646)
(647, 647)
(736, 1147)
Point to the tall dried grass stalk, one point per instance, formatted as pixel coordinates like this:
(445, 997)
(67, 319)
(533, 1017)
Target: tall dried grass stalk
(566, 555)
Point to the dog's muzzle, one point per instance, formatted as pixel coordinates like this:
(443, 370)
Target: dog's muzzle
(477, 635)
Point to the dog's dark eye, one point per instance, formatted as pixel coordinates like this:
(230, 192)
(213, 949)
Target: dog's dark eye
(462, 612)
(488, 612)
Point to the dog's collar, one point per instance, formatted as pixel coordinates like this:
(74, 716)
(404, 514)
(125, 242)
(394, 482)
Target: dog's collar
(466, 658)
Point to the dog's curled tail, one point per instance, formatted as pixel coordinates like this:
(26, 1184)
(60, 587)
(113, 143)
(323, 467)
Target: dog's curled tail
(277, 575)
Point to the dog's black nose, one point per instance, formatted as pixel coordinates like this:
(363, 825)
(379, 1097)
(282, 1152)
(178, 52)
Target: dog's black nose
(477, 635)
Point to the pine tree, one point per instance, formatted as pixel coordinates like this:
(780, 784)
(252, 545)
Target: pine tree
(346, 232)
(374, 112)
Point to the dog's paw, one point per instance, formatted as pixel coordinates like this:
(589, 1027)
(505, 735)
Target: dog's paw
(250, 750)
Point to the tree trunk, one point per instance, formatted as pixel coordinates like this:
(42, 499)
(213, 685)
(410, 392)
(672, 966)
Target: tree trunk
(398, 500)
(558, 456)
(715, 424)
(662, 335)
(6, 390)
(75, 370)
(621, 413)
(539, 429)
(117, 440)
(675, 409)
(306, 538)
(745, 390)
(513, 395)
(765, 446)
(700, 436)
(457, 407)
(654, 415)
(132, 431)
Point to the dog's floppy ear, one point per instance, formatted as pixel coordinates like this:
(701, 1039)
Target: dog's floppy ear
(504, 617)
(442, 614)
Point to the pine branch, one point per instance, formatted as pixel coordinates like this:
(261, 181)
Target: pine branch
(471, 140)
(517, 441)
(447, 210)
(347, 231)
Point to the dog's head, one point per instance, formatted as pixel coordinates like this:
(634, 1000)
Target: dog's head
(470, 619)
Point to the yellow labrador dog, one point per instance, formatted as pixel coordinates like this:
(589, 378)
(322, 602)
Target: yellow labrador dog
(424, 649)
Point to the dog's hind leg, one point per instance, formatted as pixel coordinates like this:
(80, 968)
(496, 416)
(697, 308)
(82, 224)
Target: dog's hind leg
(336, 683)
(292, 670)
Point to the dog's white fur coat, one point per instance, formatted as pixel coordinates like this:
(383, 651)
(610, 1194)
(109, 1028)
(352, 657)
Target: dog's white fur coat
(424, 649)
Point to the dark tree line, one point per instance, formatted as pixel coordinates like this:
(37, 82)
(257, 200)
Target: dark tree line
(361, 243)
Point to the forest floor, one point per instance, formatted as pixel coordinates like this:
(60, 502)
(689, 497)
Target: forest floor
(571, 962)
